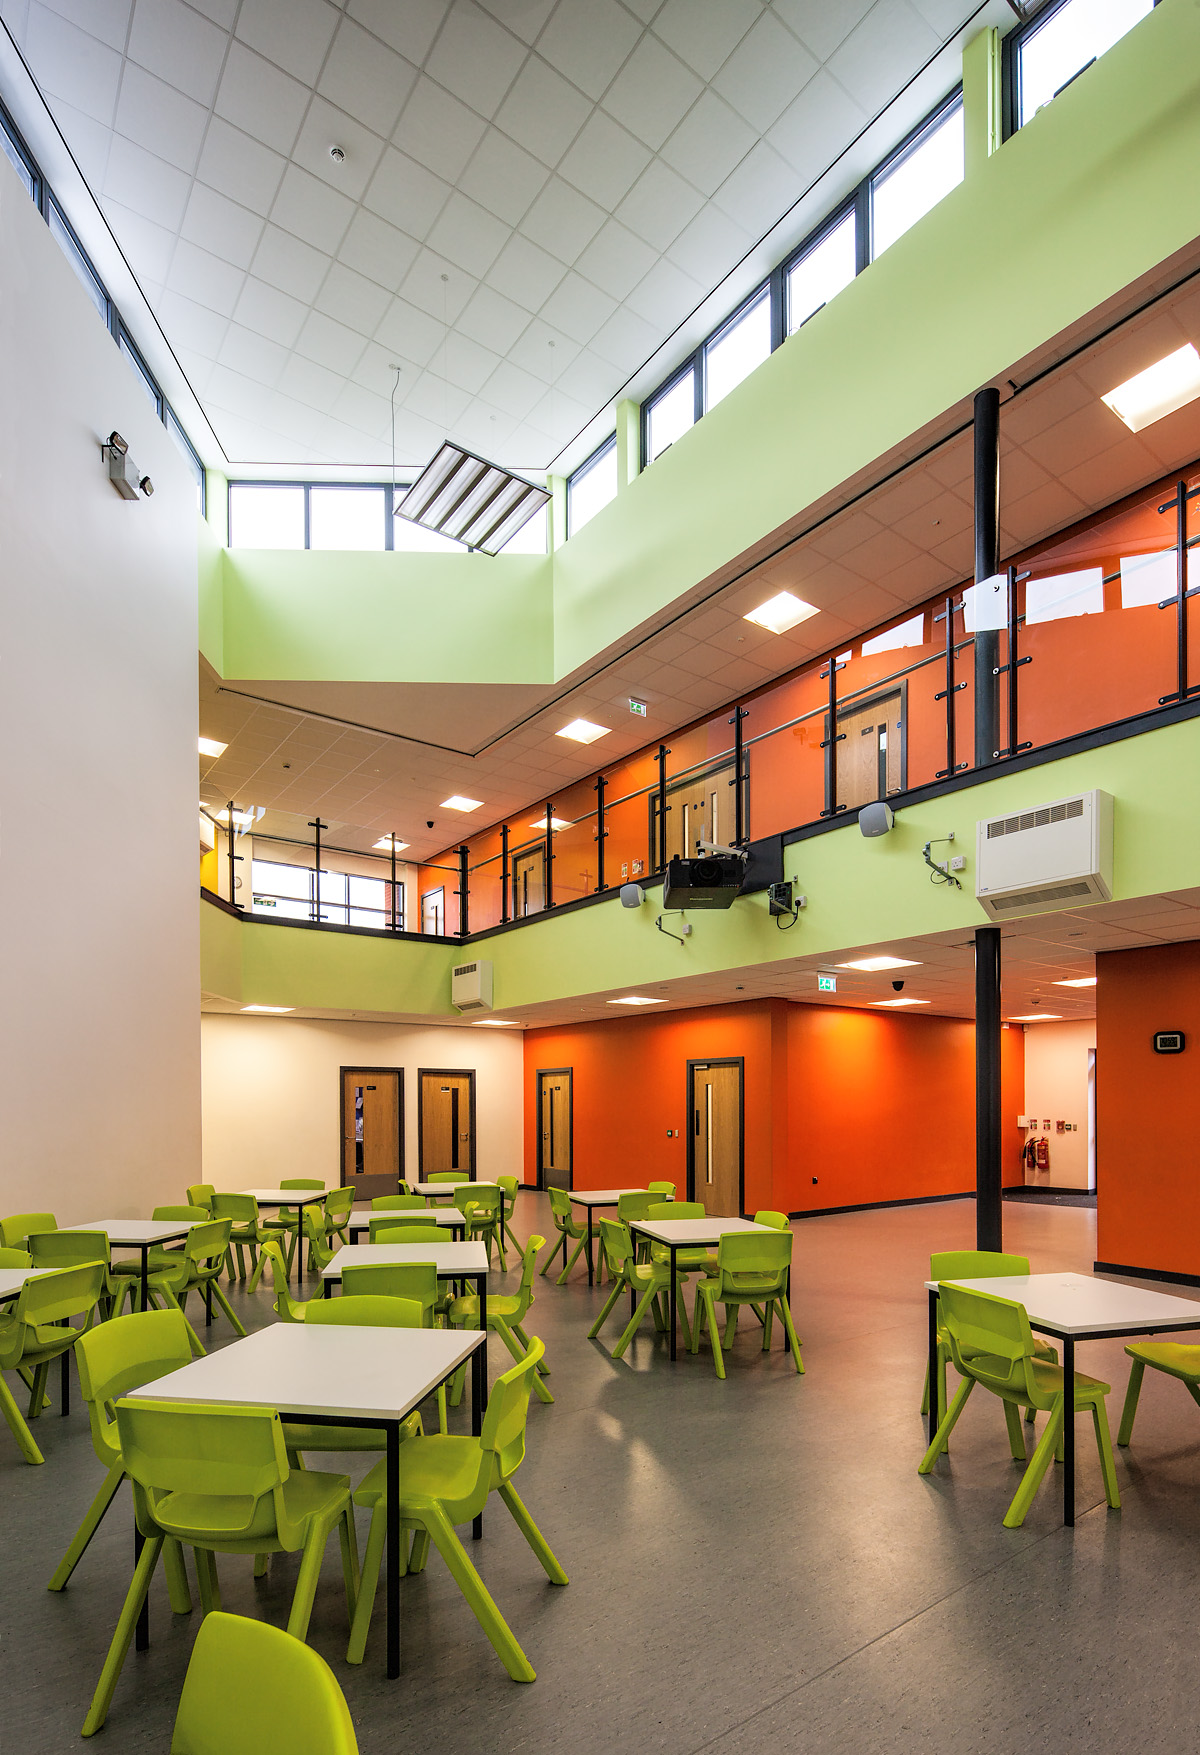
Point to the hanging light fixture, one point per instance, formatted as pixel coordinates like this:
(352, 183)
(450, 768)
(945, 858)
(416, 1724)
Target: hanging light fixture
(474, 502)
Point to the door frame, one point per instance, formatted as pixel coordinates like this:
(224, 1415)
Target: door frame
(873, 697)
(738, 1060)
(554, 1072)
(536, 846)
(399, 1071)
(443, 1072)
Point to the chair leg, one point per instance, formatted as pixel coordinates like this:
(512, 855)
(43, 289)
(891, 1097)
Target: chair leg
(768, 1318)
(533, 1535)
(478, 1596)
(549, 1261)
(1108, 1467)
(257, 1275)
(37, 1394)
(306, 1583)
(230, 1312)
(578, 1250)
(789, 1329)
(17, 1426)
(87, 1529)
(949, 1421)
(177, 1581)
(714, 1331)
(207, 1580)
(1014, 1517)
(262, 1562)
(368, 1584)
(1016, 1438)
(731, 1318)
(1136, 1373)
(618, 1286)
(635, 1322)
(348, 1538)
(518, 1330)
(502, 1328)
(110, 1675)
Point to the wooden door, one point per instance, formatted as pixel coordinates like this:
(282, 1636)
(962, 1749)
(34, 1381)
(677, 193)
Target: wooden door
(698, 809)
(554, 1145)
(529, 880)
(870, 754)
(447, 1121)
(433, 912)
(716, 1143)
(372, 1129)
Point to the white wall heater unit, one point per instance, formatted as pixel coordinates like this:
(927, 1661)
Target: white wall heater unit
(1058, 855)
(471, 986)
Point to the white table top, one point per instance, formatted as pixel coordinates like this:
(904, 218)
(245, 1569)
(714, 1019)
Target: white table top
(1082, 1304)
(281, 1197)
(361, 1217)
(447, 1188)
(132, 1233)
(709, 1230)
(603, 1197)
(12, 1279)
(348, 1372)
(451, 1259)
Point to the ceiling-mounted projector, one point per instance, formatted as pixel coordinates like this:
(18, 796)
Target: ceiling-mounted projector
(709, 882)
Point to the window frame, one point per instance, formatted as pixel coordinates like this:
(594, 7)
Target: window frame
(589, 463)
(911, 144)
(664, 389)
(764, 289)
(386, 488)
(1010, 65)
(853, 204)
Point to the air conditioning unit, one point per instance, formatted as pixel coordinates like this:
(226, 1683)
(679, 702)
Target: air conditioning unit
(471, 986)
(1058, 855)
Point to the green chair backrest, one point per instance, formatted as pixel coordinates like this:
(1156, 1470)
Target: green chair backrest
(181, 1213)
(397, 1233)
(241, 1208)
(17, 1227)
(286, 1307)
(560, 1206)
(755, 1252)
(528, 1271)
(975, 1264)
(508, 1404)
(393, 1279)
(777, 1221)
(508, 1186)
(15, 1258)
(990, 1340)
(206, 1243)
(487, 1203)
(200, 1194)
(52, 1249)
(399, 1203)
(51, 1298)
(339, 1203)
(614, 1240)
(251, 1687)
(125, 1354)
(206, 1471)
(448, 1176)
(636, 1206)
(674, 1209)
(362, 1312)
(667, 1188)
(301, 1182)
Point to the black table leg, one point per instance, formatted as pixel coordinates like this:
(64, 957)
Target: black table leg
(1069, 1430)
(64, 1382)
(479, 1380)
(208, 1303)
(674, 1300)
(145, 1276)
(935, 1412)
(392, 1485)
(591, 1265)
(141, 1640)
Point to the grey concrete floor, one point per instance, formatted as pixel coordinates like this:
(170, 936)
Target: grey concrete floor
(753, 1563)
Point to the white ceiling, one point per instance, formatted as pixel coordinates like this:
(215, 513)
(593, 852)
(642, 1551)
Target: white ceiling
(534, 195)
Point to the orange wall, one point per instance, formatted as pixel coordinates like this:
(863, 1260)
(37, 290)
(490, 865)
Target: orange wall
(876, 1107)
(1147, 1109)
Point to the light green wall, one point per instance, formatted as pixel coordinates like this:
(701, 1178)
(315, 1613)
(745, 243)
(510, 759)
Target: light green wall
(859, 892)
(1093, 193)
(211, 600)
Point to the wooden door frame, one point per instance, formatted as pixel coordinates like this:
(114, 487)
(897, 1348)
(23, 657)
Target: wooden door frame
(738, 1060)
(443, 1072)
(874, 699)
(399, 1071)
(555, 1072)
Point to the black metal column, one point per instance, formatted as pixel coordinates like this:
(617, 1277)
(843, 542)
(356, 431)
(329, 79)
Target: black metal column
(658, 855)
(988, 1199)
(601, 837)
(504, 874)
(549, 853)
(987, 562)
(739, 763)
(395, 922)
(464, 882)
(316, 827)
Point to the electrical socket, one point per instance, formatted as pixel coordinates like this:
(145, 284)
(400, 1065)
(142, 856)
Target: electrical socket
(958, 863)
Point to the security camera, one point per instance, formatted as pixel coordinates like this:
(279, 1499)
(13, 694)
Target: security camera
(632, 895)
(429, 825)
(897, 986)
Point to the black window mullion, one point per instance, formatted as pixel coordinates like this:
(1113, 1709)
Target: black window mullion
(307, 515)
(862, 225)
(778, 297)
(699, 378)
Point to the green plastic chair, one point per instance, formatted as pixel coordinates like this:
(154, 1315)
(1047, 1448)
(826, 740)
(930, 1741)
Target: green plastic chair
(447, 1176)
(699, 1260)
(1178, 1359)
(15, 1258)
(114, 1358)
(16, 1228)
(664, 1189)
(651, 1279)
(392, 1227)
(408, 1282)
(777, 1221)
(218, 1479)
(446, 1481)
(505, 1315)
(250, 1688)
(360, 1311)
(399, 1203)
(339, 1204)
(287, 1308)
(162, 1255)
(752, 1268)
(38, 1330)
(198, 1270)
(285, 1221)
(63, 1249)
(508, 1186)
(991, 1343)
(200, 1194)
(248, 1231)
(567, 1226)
(484, 1215)
(974, 1264)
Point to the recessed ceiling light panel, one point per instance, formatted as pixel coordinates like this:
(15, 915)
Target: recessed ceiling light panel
(899, 1002)
(873, 965)
(385, 845)
(582, 731)
(1162, 388)
(210, 747)
(556, 823)
(1076, 981)
(1036, 1018)
(268, 1008)
(780, 613)
(634, 999)
(457, 802)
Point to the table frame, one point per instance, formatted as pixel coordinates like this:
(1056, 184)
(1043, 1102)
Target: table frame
(646, 1229)
(288, 1197)
(1068, 1365)
(589, 1198)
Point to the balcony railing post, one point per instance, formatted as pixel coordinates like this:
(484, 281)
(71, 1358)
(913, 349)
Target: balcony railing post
(316, 827)
(549, 858)
(739, 760)
(948, 693)
(464, 925)
(504, 874)
(831, 741)
(601, 833)
(1180, 504)
(1011, 667)
(233, 858)
(393, 888)
(987, 563)
(659, 856)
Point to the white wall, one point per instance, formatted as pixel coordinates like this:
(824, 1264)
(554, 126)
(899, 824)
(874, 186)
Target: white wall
(1056, 1089)
(271, 1092)
(99, 939)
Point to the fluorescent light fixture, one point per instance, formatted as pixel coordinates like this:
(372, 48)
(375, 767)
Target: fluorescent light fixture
(897, 1002)
(457, 802)
(498, 1023)
(582, 731)
(268, 1008)
(475, 502)
(633, 999)
(242, 819)
(384, 845)
(1077, 981)
(556, 823)
(210, 747)
(780, 613)
(1158, 391)
(873, 965)
(1036, 1018)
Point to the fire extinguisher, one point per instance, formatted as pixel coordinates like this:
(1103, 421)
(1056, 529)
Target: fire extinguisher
(1036, 1153)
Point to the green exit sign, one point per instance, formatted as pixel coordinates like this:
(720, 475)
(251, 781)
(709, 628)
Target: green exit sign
(826, 983)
